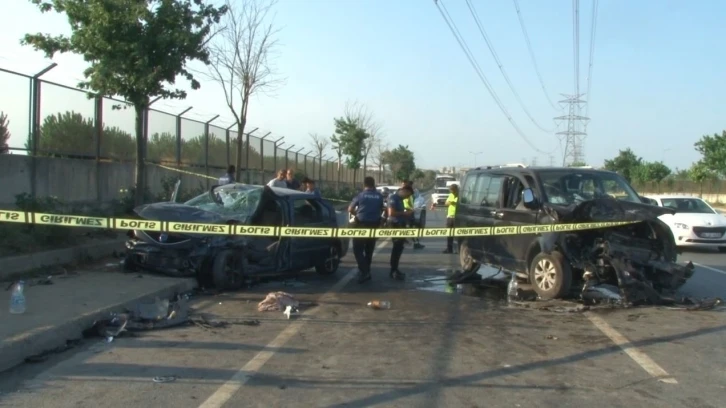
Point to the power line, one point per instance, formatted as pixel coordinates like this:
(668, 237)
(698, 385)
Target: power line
(593, 30)
(464, 47)
(531, 54)
(474, 14)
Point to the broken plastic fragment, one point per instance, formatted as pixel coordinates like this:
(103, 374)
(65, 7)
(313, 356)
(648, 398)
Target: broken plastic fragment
(165, 379)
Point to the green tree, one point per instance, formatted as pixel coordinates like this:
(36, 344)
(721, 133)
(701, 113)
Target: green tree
(4, 134)
(337, 147)
(70, 134)
(700, 172)
(713, 152)
(135, 48)
(351, 139)
(650, 172)
(624, 163)
(402, 162)
(429, 179)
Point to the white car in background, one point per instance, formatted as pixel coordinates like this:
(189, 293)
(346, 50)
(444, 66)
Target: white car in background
(695, 223)
(438, 197)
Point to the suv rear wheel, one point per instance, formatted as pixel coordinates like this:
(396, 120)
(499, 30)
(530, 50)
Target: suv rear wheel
(550, 275)
(468, 264)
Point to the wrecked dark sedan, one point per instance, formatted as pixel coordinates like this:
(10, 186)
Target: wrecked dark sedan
(228, 261)
(633, 263)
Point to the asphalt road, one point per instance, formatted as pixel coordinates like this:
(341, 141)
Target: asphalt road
(432, 349)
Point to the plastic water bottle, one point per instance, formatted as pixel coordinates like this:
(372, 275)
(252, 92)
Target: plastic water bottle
(379, 304)
(17, 298)
(512, 289)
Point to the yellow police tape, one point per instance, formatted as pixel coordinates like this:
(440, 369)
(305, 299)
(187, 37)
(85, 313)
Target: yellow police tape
(306, 232)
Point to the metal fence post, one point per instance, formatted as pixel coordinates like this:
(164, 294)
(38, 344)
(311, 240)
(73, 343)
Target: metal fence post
(229, 143)
(206, 147)
(274, 154)
(179, 136)
(98, 122)
(247, 155)
(297, 159)
(287, 156)
(35, 142)
(262, 154)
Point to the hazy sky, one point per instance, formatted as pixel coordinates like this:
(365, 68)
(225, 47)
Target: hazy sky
(657, 82)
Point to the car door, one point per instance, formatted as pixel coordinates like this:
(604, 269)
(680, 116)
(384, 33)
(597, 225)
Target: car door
(304, 250)
(476, 210)
(514, 248)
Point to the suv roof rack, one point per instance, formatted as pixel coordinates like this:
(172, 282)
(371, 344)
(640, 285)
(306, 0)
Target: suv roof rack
(499, 166)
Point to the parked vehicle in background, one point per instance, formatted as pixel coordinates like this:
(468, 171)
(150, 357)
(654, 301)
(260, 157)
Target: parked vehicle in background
(695, 223)
(228, 261)
(442, 179)
(438, 197)
(639, 258)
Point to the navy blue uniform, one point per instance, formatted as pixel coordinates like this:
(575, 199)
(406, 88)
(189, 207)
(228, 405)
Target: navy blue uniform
(368, 206)
(395, 202)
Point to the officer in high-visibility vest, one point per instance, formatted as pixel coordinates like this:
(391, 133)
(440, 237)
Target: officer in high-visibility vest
(452, 202)
(408, 205)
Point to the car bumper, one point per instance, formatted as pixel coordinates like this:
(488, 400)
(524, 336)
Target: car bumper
(691, 238)
(166, 261)
(437, 201)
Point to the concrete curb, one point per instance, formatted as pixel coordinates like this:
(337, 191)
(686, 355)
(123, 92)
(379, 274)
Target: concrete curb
(43, 339)
(15, 265)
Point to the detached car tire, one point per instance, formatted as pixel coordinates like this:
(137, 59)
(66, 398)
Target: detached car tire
(550, 275)
(330, 263)
(228, 270)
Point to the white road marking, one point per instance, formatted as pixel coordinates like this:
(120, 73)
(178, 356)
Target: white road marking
(645, 362)
(710, 268)
(240, 378)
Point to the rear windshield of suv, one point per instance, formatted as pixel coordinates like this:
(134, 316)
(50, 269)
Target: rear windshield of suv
(565, 187)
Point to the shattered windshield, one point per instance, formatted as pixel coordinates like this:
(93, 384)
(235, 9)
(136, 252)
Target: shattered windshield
(234, 200)
(688, 205)
(568, 187)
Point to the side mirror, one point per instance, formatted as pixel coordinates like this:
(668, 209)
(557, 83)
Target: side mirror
(528, 198)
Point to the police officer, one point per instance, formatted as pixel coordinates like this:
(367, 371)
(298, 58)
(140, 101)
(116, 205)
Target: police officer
(452, 202)
(408, 204)
(366, 207)
(398, 217)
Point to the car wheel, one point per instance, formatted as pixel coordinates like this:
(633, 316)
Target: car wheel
(468, 264)
(329, 264)
(550, 275)
(228, 270)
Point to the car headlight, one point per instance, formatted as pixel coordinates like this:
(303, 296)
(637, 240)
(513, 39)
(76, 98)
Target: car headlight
(680, 226)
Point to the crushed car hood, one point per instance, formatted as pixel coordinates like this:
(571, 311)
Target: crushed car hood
(175, 212)
(607, 209)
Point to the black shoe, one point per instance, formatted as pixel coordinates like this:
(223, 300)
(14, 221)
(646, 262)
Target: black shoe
(364, 277)
(398, 275)
(418, 246)
(447, 251)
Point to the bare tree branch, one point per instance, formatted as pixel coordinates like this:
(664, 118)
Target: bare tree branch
(319, 143)
(380, 147)
(241, 58)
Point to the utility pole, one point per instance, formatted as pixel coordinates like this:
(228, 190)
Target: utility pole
(534, 161)
(574, 138)
(552, 161)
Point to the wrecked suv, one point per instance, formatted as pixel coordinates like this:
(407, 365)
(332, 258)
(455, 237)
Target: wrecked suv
(228, 261)
(637, 261)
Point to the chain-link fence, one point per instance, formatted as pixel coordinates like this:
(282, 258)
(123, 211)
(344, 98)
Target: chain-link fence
(64, 142)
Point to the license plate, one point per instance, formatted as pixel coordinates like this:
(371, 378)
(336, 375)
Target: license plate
(711, 235)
